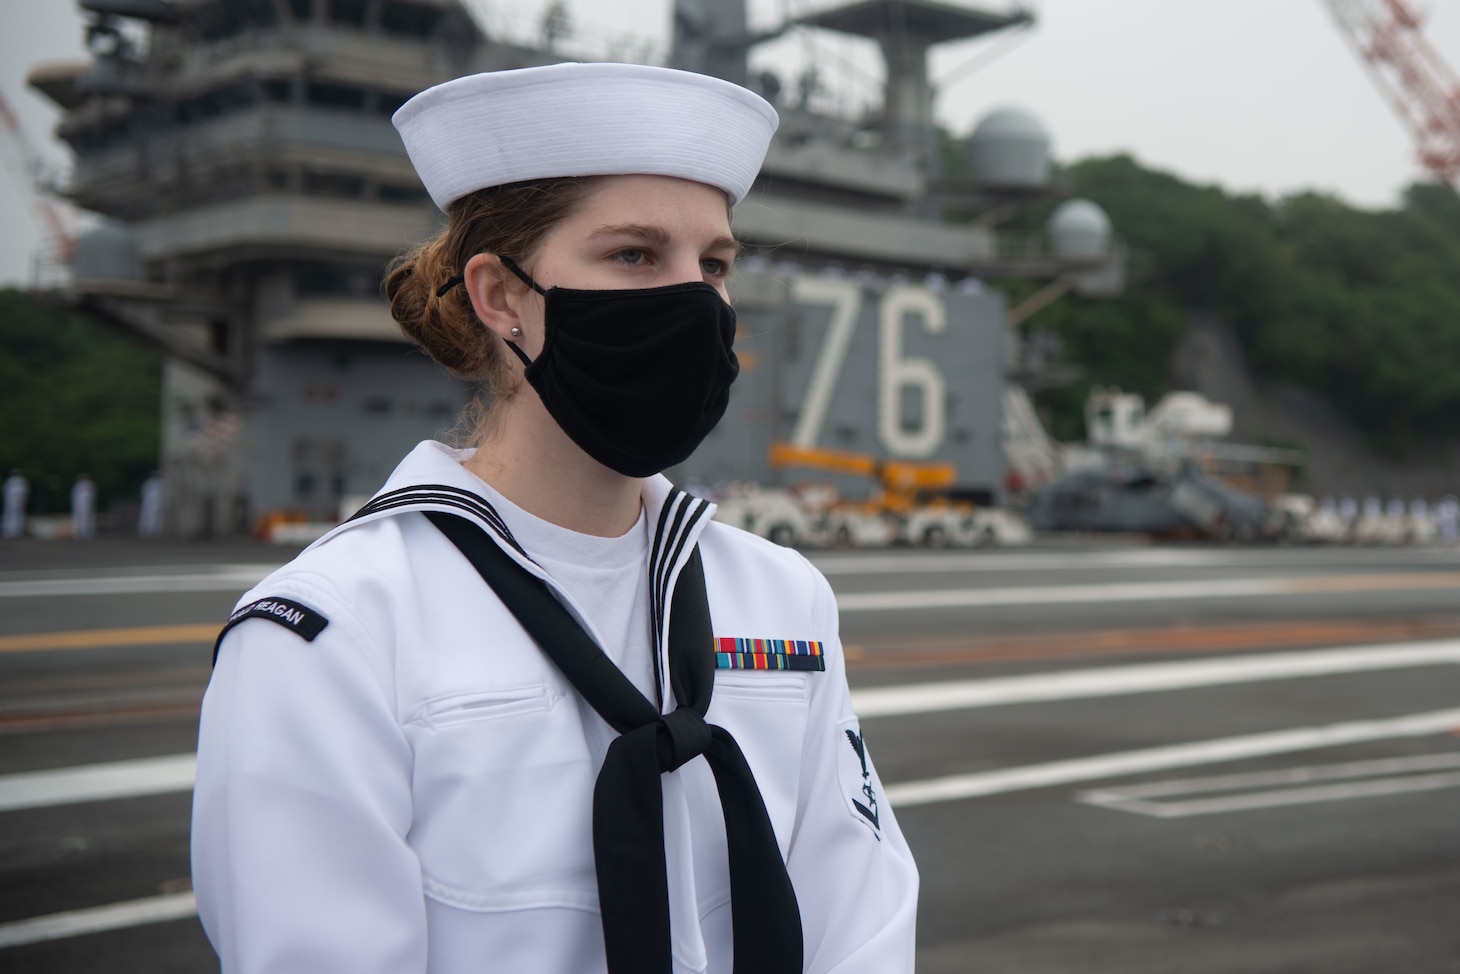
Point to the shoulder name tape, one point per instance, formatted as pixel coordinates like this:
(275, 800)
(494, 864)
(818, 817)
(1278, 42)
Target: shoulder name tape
(768, 654)
(294, 616)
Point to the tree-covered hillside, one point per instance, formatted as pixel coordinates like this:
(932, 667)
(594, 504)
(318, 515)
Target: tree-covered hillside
(1360, 306)
(75, 398)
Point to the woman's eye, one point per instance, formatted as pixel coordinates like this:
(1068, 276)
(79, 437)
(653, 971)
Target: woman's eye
(715, 267)
(631, 256)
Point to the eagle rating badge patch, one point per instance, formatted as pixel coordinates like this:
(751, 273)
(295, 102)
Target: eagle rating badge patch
(860, 788)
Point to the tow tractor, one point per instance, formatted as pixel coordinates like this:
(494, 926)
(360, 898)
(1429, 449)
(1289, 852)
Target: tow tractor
(914, 503)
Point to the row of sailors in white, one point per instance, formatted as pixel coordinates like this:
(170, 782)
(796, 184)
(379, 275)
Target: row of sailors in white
(1442, 520)
(16, 496)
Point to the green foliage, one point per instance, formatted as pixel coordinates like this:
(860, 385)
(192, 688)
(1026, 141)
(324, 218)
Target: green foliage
(1360, 306)
(75, 398)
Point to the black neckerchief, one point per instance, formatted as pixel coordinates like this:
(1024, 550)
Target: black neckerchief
(628, 804)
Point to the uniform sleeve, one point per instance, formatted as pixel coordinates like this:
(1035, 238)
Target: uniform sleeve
(302, 804)
(855, 879)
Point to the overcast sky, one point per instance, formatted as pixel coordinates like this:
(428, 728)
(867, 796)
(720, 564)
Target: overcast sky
(1257, 95)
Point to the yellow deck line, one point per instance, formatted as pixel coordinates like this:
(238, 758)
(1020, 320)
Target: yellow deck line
(1375, 583)
(106, 638)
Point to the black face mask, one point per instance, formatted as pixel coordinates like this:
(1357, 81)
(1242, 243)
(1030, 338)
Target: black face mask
(636, 378)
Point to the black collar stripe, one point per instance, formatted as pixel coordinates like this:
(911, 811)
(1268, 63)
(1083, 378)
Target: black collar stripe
(656, 615)
(485, 510)
(669, 546)
(695, 510)
(671, 507)
(419, 502)
(446, 496)
(439, 490)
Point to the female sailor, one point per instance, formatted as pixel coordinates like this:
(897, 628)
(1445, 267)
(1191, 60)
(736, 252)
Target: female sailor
(531, 710)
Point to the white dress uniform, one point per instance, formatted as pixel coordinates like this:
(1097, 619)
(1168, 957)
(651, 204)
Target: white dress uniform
(395, 777)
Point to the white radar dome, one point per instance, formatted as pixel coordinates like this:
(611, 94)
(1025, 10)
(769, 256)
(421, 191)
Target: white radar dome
(108, 253)
(1080, 230)
(1009, 147)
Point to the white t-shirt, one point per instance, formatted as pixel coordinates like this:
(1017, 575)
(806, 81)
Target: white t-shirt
(608, 579)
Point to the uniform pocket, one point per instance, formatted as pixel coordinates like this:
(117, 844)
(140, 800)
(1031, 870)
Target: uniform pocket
(766, 713)
(460, 708)
(756, 685)
(503, 787)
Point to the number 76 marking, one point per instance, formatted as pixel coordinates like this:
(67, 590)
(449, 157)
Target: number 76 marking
(894, 371)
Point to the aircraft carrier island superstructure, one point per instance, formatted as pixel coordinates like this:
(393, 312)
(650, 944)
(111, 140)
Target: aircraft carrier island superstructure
(254, 188)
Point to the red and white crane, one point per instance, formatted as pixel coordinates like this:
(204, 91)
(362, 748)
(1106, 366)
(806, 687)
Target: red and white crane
(1389, 36)
(55, 221)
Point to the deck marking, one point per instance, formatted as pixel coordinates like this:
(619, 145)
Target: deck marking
(1106, 681)
(1004, 780)
(109, 638)
(97, 782)
(113, 916)
(206, 578)
(173, 773)
(1216, 588)
(1354, 779)
(869, 563)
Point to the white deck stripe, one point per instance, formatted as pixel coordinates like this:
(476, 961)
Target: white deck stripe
(115, 916)
(203, 580)
(866, 563)
(1003, 561)
(174, 773)
(1285, 797)
(1137, 799)
(971, 598)
(97, 782)
(979, 784)
(1146, 678)
(1444, 761)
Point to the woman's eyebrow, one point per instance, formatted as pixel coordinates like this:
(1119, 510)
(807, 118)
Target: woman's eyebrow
(641, 231)
(656, 235)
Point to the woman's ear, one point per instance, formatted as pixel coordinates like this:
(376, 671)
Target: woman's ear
(492, 298)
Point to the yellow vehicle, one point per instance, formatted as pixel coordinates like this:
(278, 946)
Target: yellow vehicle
(909, 505)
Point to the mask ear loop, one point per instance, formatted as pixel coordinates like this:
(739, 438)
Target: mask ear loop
(522, 275)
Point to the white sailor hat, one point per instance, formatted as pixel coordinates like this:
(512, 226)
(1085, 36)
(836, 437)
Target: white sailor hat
(594, 119)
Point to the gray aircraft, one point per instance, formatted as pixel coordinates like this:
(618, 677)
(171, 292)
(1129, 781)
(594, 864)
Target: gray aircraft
(1183, 502)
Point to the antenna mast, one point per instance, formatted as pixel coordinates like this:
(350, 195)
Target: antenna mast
(1424, 90)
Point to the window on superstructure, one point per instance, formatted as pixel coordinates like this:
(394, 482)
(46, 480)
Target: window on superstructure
(215, 103)
(334, 184)
(262, 12)
(314, 278)
(278, 90)
(348, 13)
(396, 193)
(216, 21)
(409, 19)
(327, 95)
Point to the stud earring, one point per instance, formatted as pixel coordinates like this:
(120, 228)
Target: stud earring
(516, 332)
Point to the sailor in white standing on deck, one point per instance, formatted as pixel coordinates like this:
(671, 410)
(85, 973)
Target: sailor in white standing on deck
(149, 518)
(393, 774)
(17, 492)
(83, 508)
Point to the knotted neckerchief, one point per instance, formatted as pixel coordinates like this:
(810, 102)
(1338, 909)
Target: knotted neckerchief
(628, 803)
